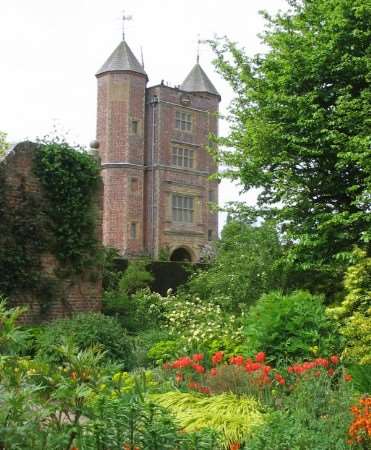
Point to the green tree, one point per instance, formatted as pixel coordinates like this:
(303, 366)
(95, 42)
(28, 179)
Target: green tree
(246, 266)
(354, 313)
(3, 143)
(300, 127)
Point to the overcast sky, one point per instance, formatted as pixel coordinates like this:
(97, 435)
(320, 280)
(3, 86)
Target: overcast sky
(50, 51)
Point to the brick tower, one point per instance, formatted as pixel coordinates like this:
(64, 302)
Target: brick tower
(120, 133)
(155, 163)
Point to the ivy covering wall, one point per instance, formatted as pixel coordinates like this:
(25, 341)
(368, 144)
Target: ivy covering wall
(47, 210)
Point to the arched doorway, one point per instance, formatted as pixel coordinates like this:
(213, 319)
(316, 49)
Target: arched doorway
(181, 254)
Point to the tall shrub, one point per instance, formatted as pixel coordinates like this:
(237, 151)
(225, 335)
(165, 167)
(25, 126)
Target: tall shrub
(291, 327)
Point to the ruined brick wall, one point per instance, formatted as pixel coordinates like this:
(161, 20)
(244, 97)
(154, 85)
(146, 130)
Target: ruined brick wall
(81, 293)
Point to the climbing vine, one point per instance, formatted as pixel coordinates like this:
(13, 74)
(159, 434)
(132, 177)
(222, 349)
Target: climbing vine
(69, 178)
(60, 220)
(22, 240)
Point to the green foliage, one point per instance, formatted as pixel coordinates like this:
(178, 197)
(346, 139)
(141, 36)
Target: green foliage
(42, 406)
(246, 266)
(129, 298)
(24, 237)
(143, 342)
(63, 225)
(111, 276)
(233, 417)
(70, 178)
(3, 143)
(86, 330)
(131, 424)
(163, 351)
(355, 310)
(316, 415)
(81, 403)
(12, 337)
(137, 312)
(135, 277)
(290, 327)
(300, 127)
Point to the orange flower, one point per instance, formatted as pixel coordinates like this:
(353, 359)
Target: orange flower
(360, 429)
(234, 446)
(73, 376)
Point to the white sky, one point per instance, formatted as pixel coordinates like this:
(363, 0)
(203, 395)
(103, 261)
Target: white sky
(50, 51)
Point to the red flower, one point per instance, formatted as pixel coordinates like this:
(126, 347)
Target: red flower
(251, 366)
(321, 362)
(204, 390)
(182, 362)
(217, 358)
(198, 368)
(260, 357)
(213, 372)
(279, 378)
(198, 357)
(308, 365)
(237, 360)
(348, 377)
(265, 379)
(334, 359)
(331, 371)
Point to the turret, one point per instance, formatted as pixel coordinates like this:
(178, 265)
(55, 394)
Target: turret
(198, 82)
(120, 133)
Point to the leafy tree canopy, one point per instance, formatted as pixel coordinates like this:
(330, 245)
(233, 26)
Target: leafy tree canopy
(246, 266)
(300, 126)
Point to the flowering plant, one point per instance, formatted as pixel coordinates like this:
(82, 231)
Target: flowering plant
(241, 375)
(360, 429)
(198, 324)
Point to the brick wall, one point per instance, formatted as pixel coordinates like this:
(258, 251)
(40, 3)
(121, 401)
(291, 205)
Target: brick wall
(121, 105)
(80, 294)
(167, 180)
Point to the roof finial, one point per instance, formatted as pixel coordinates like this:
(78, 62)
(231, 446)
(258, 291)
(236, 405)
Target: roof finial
(198, 48)
(141, 54)
(199, 42)
(124, 18)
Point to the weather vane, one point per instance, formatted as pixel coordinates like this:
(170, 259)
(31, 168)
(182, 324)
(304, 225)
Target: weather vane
(199, 41)
(125, 18)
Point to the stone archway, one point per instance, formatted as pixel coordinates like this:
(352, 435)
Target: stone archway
(181, 254)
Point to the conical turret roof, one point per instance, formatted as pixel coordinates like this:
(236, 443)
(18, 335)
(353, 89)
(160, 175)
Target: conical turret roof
(122, 59)
(198, 81)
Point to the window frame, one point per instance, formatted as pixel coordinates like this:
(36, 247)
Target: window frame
(182, 208)
(135, 126)
(183, 120)
(133, 230)
(182, 157)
